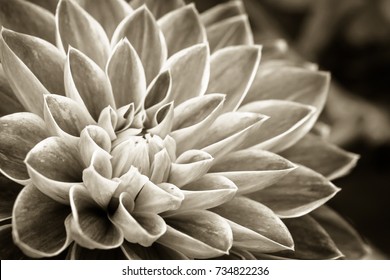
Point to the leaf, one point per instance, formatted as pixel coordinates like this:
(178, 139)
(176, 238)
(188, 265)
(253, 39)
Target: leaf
(296, 194)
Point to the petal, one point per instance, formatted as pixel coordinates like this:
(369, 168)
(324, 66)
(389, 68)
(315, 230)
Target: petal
(163, 121)
(20, 132)
(89, 225)
(229, 131)
(198, 234)
(311, 240)
(142, 228)
(221, 12)
(190, 66)
(323, 157)
(342, 233)
(54, 165)
(143, 33)
(189, 166)
(161, 167)
(28, 18)
(86, 83)
(77, 28)
(108, 120)
(209, 191)
(127, 75)
(65, 117)
(126, 115)
(93, 138)
(290, 83)
(182, 29)
(297, 194)
(38, 224)
(9, 191)
(159, 8)
(108, 13)
(10, 103)
(8, 250)
(154, 252)
(234, 31)
(253, 170)
(49, 5)
(193, 117)
(232, 72)
(237, 254)
(79, 253)
(289, 122)
(255, 227)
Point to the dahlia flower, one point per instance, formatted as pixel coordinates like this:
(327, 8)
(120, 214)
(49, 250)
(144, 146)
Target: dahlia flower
(150, 131)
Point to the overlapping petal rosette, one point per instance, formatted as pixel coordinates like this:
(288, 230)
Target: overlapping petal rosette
(151, 131)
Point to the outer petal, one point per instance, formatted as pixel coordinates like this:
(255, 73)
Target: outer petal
(27, 18)
(155, 252)
(10, 104)
(77, 252)
(49, 5)
(77, 28)
(38, 224)
(8, 250)
(222, 11)
(232, 72)
(20, 132)
(159, 8)
(54, 166)
(89, 225)
(255, 227)
(198, 234)
(253, 170)
(195, 61)
(9, 191)
(142, 31)
(182, 29)
(325, 158)
(298, 193)
(289, 122)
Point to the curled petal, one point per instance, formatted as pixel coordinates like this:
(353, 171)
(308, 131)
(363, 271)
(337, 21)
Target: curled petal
(108, 13)
(54, 165)
(159, 8)
(126, 115)
(323, 157)
(143, 33)
(189, 166)
(195, 61)
(253, 170)
(93, 138)
(161, 167)
(265, 233)
(222, 12)
(89, 225)
(234, 31)
(8, 250)
(141, 228)
(38, 224)
(86, 83)
(30, 19)
(182, 29)
(198, 234)
(193, 117)
(232, 72)
(298, 193)
(9, 191)
(289, 122)
(108, 120)
(20, 132)
(77, 28)
(158, 199)
(127, 75)
(163, 121)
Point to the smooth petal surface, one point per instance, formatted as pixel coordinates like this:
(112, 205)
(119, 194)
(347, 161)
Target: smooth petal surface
(190, 66)
(266, 233)
(189, 166)
(252, 170)
(89, 225)
(77, 28)
(9, 191)
(54, 166)
(198, 234)
(297, 194)
(311, 240)
(323, 157)
(234, 31)
(182, 29)
(221, 12)
(342, 233)
(10, 103)
(289, 122)
(38, 224)
(290, 83)
(20, 132)
(127, 75)
(232, 72)
(27, 18)
(159, 8)
(108, 13)
(87, 84)
(143, 33)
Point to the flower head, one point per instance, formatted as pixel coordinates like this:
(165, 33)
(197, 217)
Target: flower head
(153, 131)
